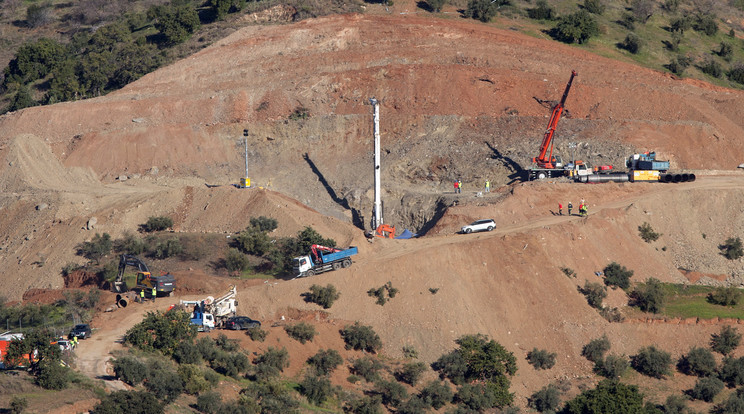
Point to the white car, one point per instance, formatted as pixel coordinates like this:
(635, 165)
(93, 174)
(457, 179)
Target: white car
(479, 225)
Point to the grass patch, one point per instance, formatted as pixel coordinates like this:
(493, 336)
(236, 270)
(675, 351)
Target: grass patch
(691, 301)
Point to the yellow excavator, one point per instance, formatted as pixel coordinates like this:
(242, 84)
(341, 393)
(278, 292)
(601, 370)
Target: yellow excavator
(164, 284)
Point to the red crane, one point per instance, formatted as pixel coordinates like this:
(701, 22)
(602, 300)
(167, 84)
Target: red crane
(546, 159)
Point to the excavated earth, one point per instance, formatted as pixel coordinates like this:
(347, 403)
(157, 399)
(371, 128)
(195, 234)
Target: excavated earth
(458, 100)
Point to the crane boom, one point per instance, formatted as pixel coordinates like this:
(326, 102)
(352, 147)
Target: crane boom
(545, 159)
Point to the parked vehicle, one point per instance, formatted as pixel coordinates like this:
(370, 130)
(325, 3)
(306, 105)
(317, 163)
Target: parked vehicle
(241, 322)
(326, 258)
(210, 313)
(479, 225)
(82, 331)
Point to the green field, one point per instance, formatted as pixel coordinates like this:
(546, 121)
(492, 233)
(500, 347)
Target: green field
(691, 301)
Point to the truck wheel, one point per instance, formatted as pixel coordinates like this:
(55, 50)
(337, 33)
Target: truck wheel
(336, 265)
(310, 273)
(542, 176)
(346, 263)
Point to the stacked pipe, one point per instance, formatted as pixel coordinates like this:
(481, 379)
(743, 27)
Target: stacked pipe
(677, 178)
(602, 178)
(123, 299)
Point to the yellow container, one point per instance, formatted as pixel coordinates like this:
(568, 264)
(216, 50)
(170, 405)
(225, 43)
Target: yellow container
(645, 175)
(245, 182)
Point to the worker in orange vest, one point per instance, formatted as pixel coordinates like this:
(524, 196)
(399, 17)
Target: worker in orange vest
(560, 209)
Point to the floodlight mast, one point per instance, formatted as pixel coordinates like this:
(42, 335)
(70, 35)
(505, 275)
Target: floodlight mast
(377, 220)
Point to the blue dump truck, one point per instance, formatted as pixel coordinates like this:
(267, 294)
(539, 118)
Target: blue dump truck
(322, 259)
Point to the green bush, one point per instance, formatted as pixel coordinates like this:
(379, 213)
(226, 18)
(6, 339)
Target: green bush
(410, 352)
(316, 388)
(483, 10)
(411, 372)
(383, 293)
(253, 241)
(483, 396)
(706, 389)
(712, 68)
(207, 348)
(436, 5)
(175, 23)
(129, 402)
(271, 363)
(632, 43)
(608, 397)
(647, 233)
(392, 393)
(268, 397)
(541, 358)
(736, 74)
(370, 404)
(679, 64)
(194, 379)
(323, 296)
(594, 6)
(361, 337)
(51, 375)
(236, 261)
(578, 27)
(706, 23)
(725, 341)
(230, 364)
(130, 370)
(728, 296)
(209, 403)
(675, 404)
(162, 331)
(256, 334)
(324, 362)
(699, 361)
(612, 367)
(436, 394)
(649, 296)
(158, 223)
(18, 404)
(367, 367)
(130, 244)
(732, 371)
(652, 362)
(187, 352)
(732, 248)
(594, 293)
(611, 314)
(542, 11)
(167, 248)
(413, 405)
(165, 384)
(616, 275)
(726, 51)
(95, 249)
(546, 399)
(263, 223)
(301, 331)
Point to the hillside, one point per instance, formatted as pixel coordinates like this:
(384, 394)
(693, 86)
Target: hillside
(459, 100)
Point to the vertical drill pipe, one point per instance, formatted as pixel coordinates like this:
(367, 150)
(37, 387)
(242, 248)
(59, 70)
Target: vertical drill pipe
(378, 203)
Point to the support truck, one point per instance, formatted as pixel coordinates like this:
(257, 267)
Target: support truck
(210, 313)
(322, 259)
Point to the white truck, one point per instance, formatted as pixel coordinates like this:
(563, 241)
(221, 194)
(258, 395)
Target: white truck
(210, 313)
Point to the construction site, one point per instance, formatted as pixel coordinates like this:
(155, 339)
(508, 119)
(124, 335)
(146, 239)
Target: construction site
(210, 142)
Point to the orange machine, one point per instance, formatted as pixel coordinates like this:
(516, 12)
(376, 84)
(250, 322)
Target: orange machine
(385, 231)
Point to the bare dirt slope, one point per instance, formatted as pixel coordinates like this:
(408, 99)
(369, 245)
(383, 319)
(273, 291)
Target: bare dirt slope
(459, 99)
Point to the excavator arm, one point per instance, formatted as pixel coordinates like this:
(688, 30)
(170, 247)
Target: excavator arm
(545, 159)
(127, 260)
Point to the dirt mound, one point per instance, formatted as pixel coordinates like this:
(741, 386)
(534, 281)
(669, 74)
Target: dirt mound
(81, 278)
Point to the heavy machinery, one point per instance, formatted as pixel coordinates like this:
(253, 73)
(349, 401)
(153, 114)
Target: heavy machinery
(164, 284)
(546, 165)
(385, 231)
(326, 259)
(210, 313)
(642, 167)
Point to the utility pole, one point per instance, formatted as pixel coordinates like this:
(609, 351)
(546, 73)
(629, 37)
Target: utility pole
(245, 182)
(377, 209)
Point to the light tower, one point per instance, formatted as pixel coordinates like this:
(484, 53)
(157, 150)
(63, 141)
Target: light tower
(245, 182)
(377, 209)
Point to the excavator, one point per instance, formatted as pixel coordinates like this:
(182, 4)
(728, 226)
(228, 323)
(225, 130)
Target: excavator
(164, 284)
(547, 165)
(385, 231)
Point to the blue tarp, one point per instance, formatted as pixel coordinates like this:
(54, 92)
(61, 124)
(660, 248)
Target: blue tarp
(405, 235)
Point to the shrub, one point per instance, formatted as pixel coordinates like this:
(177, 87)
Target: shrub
(608, 397)
(367, 367)
(483, 396)
(732, 371)
(51, 375)
(481, 359)
(483, 10)
(271, 363)
(594, 6)
(436, 394)
(642, 9)
(543, 11)
(649, 296)
(436, 5)
(541, 359)
(206, 347)
(612, 367)
(323, 296)
(647, 233)
(130, 244)
(256, 334)
(227, 344)
(679, 64)
(632, 43)
(652, 362)
(38, 15)
(712, 68)
(409, 351)
(253, 241)
(736, 74)
(383, 293)
(316, 389)
(732, 248)
(699, 361)
(129, 402)
(411, 372)
(575, 28)
(725, 341)
(159, 223)
(364, 405)
(325, 362)
(175, 23)
(165, 384)
(167, 248)
(611, 314)
(728, 296)
(209, 403)
(193, 379)
(594, 293)
(726, 51)
(302, 332)
(616, 275)
(18, 404)
(230, 364)
(568, 272)
(273, 397)
(300, 112)
(675, 404)
(546, 400)
(95, 249)
(392, 393)
(706, 23)
(733, 404)
(413, 405)
(596, 349)
(162, 331)
(187, 352)
(236, 261)
(361, 337)
(706, 389)
(130, 370)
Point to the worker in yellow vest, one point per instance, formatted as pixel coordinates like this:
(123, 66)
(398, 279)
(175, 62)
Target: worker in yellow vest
(142, 296)
(154, 293)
